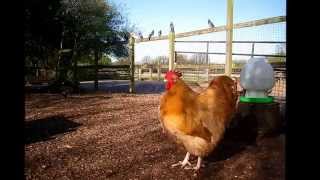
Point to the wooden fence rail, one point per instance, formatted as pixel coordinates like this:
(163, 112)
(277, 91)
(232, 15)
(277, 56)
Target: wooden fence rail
(192, 72)
(277, 19)
(115, 72)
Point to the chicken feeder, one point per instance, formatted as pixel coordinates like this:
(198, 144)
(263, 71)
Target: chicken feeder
(256, 108)
(257, 77)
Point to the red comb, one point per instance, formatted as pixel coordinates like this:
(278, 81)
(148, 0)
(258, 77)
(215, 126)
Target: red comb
(178, 73)
(175, 72)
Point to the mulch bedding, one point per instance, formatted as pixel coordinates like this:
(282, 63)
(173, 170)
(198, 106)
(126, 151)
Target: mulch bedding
(118, 136)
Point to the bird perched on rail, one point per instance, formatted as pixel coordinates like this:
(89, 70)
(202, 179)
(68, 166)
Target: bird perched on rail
(171, 27)
(197, 120)
(151, 34)
(211, 25)
(159, 33)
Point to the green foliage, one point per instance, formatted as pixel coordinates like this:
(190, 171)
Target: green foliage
(83, 26)
(105, 60)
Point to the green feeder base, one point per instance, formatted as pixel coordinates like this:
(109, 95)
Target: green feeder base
(268, 99)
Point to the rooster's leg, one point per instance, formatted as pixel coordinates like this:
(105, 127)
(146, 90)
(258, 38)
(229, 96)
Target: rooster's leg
(184, 162)
(197, 167)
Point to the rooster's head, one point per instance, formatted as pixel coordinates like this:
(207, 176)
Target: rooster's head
(171, 77)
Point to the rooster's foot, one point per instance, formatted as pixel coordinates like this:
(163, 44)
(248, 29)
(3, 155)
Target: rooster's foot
(184, 162)
(197, 167)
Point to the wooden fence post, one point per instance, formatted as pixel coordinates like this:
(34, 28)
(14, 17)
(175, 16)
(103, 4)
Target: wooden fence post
(139, 73)
(171, 49)
(131, 58)
(150, 72)
(207, 62)
(252, 50)
(228, 67)
(159, 70)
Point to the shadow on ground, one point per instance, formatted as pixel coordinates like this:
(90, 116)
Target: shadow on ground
(44, 129)
(234, 142)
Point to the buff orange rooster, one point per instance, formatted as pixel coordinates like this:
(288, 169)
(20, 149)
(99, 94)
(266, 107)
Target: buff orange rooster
(197, 120)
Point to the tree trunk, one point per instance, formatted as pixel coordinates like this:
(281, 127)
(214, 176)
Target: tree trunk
(59, 57)
(75, 73)
(96, 58)
(75, 56)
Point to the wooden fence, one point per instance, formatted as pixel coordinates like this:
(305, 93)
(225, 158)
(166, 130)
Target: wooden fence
(39, 75)
(116, 72)
(172, 36)
(203, 74)
(190, 72)
(272, 20)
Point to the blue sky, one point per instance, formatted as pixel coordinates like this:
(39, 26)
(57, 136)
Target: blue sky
(188, 15)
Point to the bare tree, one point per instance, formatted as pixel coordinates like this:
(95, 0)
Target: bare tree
(198, 59)
(280, 50)
(162, 59)
(182, 59)
(146, 60)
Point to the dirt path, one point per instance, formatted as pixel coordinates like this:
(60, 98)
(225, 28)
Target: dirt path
(118, 136)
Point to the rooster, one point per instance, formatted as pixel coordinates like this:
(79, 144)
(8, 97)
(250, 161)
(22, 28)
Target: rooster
(196, 120)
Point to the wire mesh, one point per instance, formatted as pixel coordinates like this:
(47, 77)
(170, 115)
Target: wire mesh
(196, 65)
